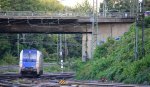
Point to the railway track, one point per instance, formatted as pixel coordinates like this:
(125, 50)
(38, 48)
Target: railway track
(13, 79)
(53, 80)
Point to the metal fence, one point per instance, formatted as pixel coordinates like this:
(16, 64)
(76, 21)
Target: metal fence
(116, 14)
(65, 14)
(42, 13)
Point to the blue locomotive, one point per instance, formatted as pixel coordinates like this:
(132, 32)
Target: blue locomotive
(31, 62)
(147, 13)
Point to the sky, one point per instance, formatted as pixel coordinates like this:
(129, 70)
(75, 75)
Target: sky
(72, 3)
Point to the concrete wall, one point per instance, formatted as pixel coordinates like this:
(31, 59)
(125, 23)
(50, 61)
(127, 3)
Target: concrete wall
(114, 30)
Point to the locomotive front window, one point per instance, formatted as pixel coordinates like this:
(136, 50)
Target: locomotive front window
(26, 55)
(33, 56)
(29, 54)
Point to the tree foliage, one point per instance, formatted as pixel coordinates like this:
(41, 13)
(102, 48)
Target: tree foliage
(51, 5)
(118, 5)
(84, 7)
(46, 43)
(124, 5)
(30, 5)
(147, 5)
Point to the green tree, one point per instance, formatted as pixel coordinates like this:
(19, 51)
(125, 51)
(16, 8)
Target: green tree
(51, 5)
(84, 7)
(118, 5)
(147, 4)
(30, 5)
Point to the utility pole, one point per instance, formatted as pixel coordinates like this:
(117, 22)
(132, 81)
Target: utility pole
(139, 19)
(60, 50)
(66, 52)
(18, 45)
(96, 21)
(141, 2)
(66, 47)
(86, 46)
(136, 28)
(134, 6)
(94, 26)
(143, 26)
(104, 8)
(136, 39)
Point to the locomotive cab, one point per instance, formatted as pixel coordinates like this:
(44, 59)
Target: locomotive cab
(31, 62)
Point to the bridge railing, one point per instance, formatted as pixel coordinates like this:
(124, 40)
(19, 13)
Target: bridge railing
(42, 13)
(65, 14)
(116, 14)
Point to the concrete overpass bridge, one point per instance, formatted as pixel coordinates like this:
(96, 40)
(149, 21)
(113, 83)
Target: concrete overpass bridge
(66, 23)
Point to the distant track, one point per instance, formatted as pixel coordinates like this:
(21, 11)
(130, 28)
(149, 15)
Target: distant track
(17, 66)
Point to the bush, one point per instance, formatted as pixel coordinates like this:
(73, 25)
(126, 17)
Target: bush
(115, 60)
(8, 59)
(147, 22)
(51, 58)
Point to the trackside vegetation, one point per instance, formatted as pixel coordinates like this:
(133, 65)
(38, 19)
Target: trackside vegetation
(115, 61)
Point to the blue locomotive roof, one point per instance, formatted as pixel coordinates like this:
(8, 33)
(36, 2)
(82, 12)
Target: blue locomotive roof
(29, 50)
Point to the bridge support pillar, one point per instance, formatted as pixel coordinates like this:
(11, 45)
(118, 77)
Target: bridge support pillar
(86, 47)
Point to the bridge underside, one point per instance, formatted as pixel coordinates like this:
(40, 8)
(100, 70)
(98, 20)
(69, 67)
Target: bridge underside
(27, 28)
(42, 26)
(36, 24)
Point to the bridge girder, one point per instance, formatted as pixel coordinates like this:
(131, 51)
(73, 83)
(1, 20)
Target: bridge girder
(52, 25)
(27, 28)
